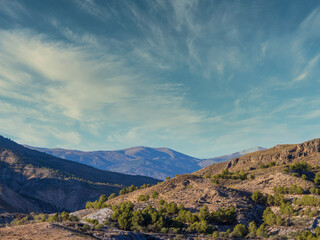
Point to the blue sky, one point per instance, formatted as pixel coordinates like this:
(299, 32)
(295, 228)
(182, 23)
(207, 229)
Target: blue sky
(202, 77)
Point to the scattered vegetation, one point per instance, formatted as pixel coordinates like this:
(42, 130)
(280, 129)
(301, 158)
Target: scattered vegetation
(307, 200)
(231, 175)
(172, 218)
(271, 164)
(98, 204)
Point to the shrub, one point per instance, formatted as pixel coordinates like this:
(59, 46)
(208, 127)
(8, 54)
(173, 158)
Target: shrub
(215, 181)
(143, 198)
(258, 197)
(99, 227)
(300, 166)
(294, 189)
(162, 202)
(270, 218)
(215, 234)
(317, 178)
(239, 231)
(86, 227)
(261, 231)
(252, 228)
(314, 190)
(307, 201)
(304, 177)
(155, 194)
(224, 216)
(204, 214)
(112, 195)
(287, 209)
(167, 178)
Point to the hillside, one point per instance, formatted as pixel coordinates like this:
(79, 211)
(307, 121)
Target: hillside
(38, 182)
(271, 194)
(158, 163)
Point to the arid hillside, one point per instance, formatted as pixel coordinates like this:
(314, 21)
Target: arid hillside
(271, 194)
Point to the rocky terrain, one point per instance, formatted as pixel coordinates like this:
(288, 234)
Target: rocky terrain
(271, 194)
(158, 163)
(31, 181)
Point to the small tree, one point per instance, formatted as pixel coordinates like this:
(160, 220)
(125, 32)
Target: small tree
(239, 231)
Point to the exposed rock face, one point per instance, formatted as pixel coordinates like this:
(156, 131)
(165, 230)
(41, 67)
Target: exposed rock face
(31, 181)
(280, 154)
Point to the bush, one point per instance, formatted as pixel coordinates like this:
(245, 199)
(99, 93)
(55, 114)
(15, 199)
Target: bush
(271, 164)
(239, 231)
(112, 195)
(261, 231)
(155, 194)
(224, 216)
(304, 177)
(97, 204)
(300, 166)
(252, 228)
(286, 209)
(270, 218)
(99, 227)
(143, 198)
(225, 174)
(307, 201)
(258, 197)
(204, 214)
(294, 189)
(314, 190)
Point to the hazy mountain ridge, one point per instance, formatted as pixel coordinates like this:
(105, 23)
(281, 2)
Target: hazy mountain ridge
(35, 181)
(153, 162)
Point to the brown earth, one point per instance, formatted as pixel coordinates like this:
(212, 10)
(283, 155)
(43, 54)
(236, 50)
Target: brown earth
(39, 231)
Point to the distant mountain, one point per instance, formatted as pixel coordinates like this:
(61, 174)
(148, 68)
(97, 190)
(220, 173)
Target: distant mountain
(153, 162)
(32, 181)
(225, 158)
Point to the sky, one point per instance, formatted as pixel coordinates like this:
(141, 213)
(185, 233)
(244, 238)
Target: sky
(205, 78)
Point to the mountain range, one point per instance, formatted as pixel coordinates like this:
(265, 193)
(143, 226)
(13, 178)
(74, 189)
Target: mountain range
(158, 163)
(32, 181)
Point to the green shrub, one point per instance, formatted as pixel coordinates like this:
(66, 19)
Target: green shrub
(270, 218)
(252, 228)
(224, 216)
(271, 164)
(258, 197)
(307, 201)
(294, 189)
(155, 194)
(304, 177)
(215, 181)
(215, 234)
(143, 198)
(112, 195)
(300, 166)
(314, 190)
(239, 231)
(286, 209)
(295, 175)
(225, 174)
(262, 232)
